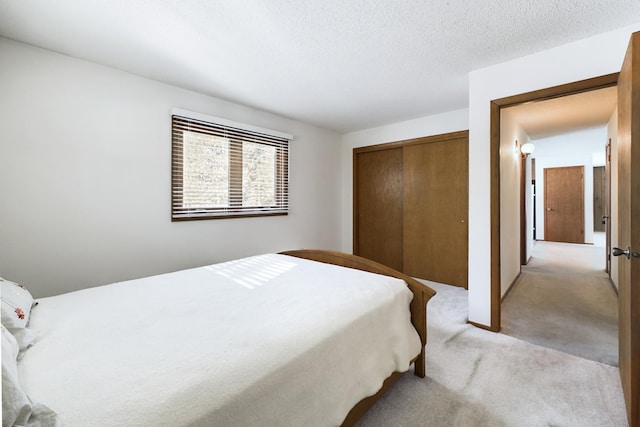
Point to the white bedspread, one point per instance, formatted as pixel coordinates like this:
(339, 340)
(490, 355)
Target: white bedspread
(270, 340)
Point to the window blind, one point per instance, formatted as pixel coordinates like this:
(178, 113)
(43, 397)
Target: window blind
(221, 171)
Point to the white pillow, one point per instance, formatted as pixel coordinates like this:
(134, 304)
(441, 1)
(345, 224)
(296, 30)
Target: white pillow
(16, 310)
(16, 304)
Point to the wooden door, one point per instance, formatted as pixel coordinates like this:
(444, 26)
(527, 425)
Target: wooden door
(599, 189)
(435, 187)
(564, 204)
(628, 147)
(378, 206)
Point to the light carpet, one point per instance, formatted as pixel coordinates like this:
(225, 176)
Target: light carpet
(564, 300)
(480, 378)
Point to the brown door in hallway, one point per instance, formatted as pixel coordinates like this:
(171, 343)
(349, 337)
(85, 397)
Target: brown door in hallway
(628, 148)
(564, 204)
(599, 198)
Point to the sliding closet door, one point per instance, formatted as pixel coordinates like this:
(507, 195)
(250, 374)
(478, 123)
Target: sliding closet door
(435, 209)
(378, 206)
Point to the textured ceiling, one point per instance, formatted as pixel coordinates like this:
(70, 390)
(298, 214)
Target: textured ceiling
(556, 116)
(343, 65)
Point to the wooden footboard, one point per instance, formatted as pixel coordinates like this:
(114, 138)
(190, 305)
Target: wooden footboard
(421, 295)
(421, 292)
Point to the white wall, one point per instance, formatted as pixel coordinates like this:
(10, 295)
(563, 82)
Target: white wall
(510, 165)
(432, 125)
(570, 149)
(587, 58)
(85, 170)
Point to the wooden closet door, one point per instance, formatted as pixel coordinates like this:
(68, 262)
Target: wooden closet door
(435, 208)
(378, 206)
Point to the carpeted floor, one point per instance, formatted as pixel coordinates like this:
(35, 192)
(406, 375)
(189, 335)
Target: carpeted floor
(480, 378)
(563, 300)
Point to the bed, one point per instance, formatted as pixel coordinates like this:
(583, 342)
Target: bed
(306, 337)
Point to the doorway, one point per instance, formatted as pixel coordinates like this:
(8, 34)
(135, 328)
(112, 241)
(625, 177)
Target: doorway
(495, 159)
(561, 297)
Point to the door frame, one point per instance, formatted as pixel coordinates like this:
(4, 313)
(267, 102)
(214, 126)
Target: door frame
(496, 105)
(607, 211)
(523, 211)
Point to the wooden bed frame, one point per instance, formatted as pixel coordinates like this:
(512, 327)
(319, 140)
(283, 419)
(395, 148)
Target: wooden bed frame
(421, 295)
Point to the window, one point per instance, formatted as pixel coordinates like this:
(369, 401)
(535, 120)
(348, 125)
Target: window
(222, 169)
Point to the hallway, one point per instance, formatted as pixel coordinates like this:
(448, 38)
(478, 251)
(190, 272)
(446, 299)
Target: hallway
(563, 300)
